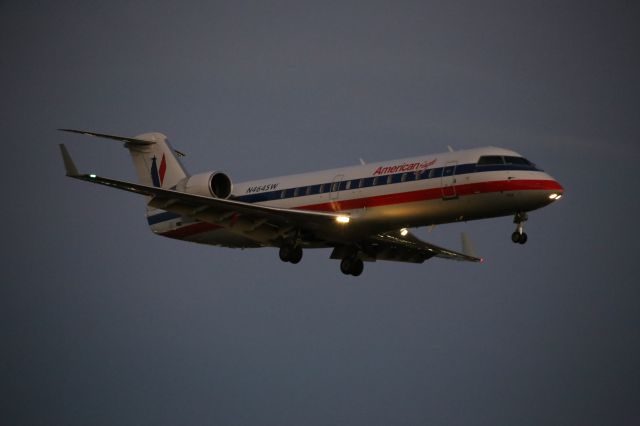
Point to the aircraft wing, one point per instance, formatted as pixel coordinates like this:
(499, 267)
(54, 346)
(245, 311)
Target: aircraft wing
(237, 216)
(409, 248)
(394, 246)
(265, 224)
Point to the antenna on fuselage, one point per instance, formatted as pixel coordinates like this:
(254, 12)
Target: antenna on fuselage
(450, 149)
(362, 161)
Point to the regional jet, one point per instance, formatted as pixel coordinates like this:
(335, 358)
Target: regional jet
(363, 213)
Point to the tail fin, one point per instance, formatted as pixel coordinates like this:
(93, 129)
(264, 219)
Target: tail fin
(155, 161)
(157, 164)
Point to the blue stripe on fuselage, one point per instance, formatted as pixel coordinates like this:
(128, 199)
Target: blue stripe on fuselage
(162, 217)
(434, 173)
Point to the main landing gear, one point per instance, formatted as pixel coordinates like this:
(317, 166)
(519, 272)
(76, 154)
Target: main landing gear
(290, 253)
(351, 266)
(519, 236)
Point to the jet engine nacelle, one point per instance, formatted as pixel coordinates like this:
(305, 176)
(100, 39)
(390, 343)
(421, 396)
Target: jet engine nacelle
(210, 184)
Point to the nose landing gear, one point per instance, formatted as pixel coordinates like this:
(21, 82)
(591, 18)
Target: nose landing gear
(519, 236)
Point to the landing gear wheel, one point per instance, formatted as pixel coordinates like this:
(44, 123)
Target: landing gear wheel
(296, 255)
(351, 266)
(291, 254)
(285, 253)
(357, 267)
(523, 238)
(519, 236)
(345, 266)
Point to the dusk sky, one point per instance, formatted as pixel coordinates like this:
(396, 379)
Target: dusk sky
(103, 323)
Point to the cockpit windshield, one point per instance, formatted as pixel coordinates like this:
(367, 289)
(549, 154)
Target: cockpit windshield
(487, 160)
(492, 160)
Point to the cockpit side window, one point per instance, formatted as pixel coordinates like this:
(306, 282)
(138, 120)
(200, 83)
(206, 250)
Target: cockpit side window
(518, 161)
(487, 160)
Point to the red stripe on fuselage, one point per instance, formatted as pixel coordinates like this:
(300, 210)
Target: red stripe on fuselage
(435, 193)
(397, 198)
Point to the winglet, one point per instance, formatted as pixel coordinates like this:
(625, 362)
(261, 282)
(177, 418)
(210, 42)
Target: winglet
(467, 247)
(69, 166)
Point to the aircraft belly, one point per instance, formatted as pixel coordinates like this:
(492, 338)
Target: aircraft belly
(221, 237)
(203, 233)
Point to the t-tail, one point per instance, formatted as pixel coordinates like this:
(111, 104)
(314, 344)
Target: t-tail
(156, 162)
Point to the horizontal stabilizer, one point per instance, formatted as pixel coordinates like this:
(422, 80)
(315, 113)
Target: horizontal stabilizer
(132, 141)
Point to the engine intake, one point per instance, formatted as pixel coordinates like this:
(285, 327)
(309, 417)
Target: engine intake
(211, 184)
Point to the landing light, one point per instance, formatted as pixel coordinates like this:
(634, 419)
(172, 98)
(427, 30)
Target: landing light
(92, 176)
(404, 232)
(342, 219)
(554, 196)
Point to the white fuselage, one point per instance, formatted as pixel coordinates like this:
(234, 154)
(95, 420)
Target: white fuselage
(409, 192)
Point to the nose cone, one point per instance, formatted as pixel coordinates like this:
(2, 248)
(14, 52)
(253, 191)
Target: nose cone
(554, 190)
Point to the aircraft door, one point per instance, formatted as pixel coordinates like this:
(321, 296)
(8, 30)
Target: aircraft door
(448, 181)
(335, 187)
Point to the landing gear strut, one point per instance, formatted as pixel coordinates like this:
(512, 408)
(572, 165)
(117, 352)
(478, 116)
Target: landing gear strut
(519, 236)
(351, 266)
(290, 253)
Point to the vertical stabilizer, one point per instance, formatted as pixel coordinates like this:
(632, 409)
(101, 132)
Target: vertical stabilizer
(156, 164)
(155, 161)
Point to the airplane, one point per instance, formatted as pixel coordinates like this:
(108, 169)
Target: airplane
(363, 212)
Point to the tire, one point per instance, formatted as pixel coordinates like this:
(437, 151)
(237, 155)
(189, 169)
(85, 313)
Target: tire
(345, 266)
(285, 253)
(357, 266)
(523, 238)
(515, 237)
(296, 255)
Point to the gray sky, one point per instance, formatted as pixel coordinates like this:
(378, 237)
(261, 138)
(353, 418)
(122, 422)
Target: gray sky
(103, 323)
